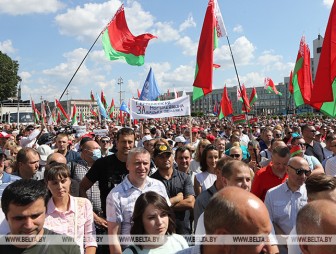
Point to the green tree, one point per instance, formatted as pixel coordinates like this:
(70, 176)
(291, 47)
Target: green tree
(9, 77)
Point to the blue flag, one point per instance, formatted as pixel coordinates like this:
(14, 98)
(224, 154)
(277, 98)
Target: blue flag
(150, 91)
(123, 107)
(101, 107)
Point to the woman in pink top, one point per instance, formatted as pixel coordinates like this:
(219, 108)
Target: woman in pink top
(66, 214)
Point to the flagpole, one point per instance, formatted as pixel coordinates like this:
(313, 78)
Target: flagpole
(79, 66)
(234, 64)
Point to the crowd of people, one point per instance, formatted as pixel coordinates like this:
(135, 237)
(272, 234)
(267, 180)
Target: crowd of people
(171, 178)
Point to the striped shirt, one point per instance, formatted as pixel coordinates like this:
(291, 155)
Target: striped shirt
(121, 200)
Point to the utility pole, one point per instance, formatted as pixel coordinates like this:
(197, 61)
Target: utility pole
(120, 82)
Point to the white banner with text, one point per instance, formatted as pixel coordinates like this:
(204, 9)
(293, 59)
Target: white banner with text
(160, 109)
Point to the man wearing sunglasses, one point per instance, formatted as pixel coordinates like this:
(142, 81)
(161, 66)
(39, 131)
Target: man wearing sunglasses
(312, 147)
(285, 200)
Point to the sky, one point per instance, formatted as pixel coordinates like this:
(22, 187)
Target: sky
(49, 39)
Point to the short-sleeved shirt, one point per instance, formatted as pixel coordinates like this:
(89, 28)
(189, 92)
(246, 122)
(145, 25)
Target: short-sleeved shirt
(109, 172)
(264, 180)
(315, 150)
(121, 200)
(179, 182)
(93, 194)
(283, 205)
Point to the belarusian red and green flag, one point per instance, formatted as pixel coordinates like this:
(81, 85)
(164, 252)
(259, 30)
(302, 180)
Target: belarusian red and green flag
(236, 119)
(120, 43)
(213, 27)
(270, 86)
(324, 90)
(302, 82)
(111, 109)
(35, 112)
(74, 116)
(92, 96)
(82, 117)
(225, 105)
(253, 96)
(59, 106)
(103, 99)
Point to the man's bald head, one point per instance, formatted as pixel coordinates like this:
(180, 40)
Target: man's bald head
(317, 218)
(56, 157)
(236, 211)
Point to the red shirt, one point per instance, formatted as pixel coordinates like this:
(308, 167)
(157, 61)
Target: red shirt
(264, 180)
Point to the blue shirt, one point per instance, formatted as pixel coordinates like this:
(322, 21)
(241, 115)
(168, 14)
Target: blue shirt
(6, 180)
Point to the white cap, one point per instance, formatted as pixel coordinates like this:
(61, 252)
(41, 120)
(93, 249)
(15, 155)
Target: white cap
(180, 139)
(44, 151)
(146, 138)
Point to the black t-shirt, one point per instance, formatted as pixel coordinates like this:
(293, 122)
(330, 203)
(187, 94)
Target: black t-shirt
(179, 182)
(315, 150)
(108, 171)
(39, 248)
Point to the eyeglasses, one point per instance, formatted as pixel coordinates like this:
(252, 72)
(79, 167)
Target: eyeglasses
(302, 144)
(278, 135)
(147, 133)
(104, 141)
(169, 134)
(236, 155)
(301, 171)
(313, 131)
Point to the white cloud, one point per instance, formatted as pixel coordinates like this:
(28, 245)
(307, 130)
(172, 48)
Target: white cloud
(165, 32)
(7, 47)
(328, 3)
(238, 29)
(270, 62)
(189, 47)
(242, 50)
(19, 7)
(189, 22)
(88, 21)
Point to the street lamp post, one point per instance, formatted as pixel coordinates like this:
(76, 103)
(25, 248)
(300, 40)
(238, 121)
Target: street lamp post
(18, 104)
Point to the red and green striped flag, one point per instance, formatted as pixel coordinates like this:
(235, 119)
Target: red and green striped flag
(120, 43)
(225, 105)
(324, 84)
(253, 96)
(35, 112)
(103, 99)
(111, 110)
(302, 82)
(213, 27)
(82, 117)
(92, 96)
(270, 86)
(74, 116)
(59, 106)
(324, 90)
(236, 119)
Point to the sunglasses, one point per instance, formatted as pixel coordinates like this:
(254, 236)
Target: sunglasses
(147, 133)
(104, 141)
(235, 155)
(301, 171)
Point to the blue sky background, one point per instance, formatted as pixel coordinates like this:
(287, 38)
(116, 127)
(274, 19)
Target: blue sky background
(49, 39)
